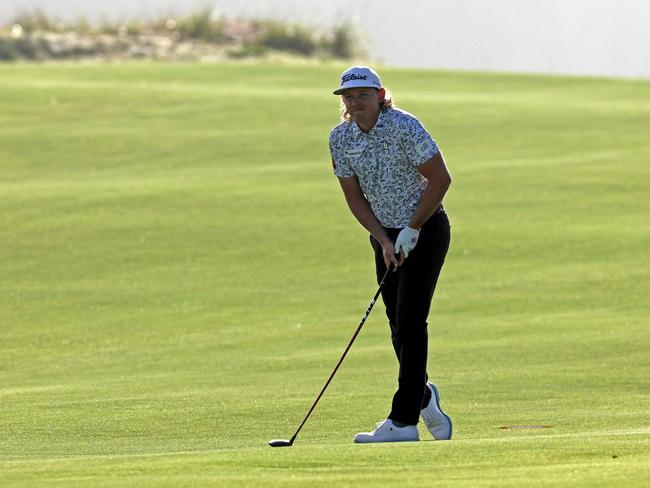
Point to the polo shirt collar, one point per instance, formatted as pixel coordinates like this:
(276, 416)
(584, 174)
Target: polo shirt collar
(378, 127)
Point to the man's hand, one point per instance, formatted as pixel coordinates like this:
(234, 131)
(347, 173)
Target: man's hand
(391, 260)
(406, 241)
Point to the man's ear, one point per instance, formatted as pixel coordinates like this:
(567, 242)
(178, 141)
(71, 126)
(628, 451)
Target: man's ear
(382, 94)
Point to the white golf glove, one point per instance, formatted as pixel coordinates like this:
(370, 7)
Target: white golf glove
(406, 241)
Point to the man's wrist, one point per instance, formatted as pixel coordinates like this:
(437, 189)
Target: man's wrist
(384, 241)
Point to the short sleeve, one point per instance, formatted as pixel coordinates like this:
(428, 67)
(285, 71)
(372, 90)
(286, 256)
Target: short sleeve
(340, 163)
(418, 144)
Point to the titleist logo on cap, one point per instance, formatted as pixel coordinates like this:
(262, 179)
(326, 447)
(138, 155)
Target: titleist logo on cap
(353, 76)
(358, 77)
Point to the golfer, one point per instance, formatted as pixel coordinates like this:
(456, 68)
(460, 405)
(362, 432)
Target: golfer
(394, 179)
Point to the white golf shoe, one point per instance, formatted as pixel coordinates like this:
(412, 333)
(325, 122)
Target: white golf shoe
(437, 421)
(387, 431)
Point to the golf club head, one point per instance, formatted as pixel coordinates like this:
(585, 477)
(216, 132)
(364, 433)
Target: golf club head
(280, 443)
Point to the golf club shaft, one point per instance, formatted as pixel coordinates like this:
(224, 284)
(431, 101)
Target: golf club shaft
(354, 336)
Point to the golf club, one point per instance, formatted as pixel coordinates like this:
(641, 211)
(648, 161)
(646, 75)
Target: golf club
(287, 443)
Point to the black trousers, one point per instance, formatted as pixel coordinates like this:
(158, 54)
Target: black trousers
(407, 295)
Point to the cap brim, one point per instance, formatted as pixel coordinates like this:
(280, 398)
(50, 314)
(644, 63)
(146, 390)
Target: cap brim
(364, 85)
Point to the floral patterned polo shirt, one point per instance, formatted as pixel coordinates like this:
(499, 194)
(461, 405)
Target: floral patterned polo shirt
(385, 160)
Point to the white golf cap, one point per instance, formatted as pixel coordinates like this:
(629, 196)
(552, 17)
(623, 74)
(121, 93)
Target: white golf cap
(358, 77)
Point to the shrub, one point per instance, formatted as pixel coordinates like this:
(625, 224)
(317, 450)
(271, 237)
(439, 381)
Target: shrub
(202, 26)
(287, 37)
(248, 51)
(21, 48)
(36, 20)
(344, 42)
(7, 50)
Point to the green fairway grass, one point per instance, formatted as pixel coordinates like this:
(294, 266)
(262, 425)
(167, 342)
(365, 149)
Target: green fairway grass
(180, 274)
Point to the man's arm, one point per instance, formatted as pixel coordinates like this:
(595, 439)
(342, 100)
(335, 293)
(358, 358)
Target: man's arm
(361, 210)
(438, 182)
